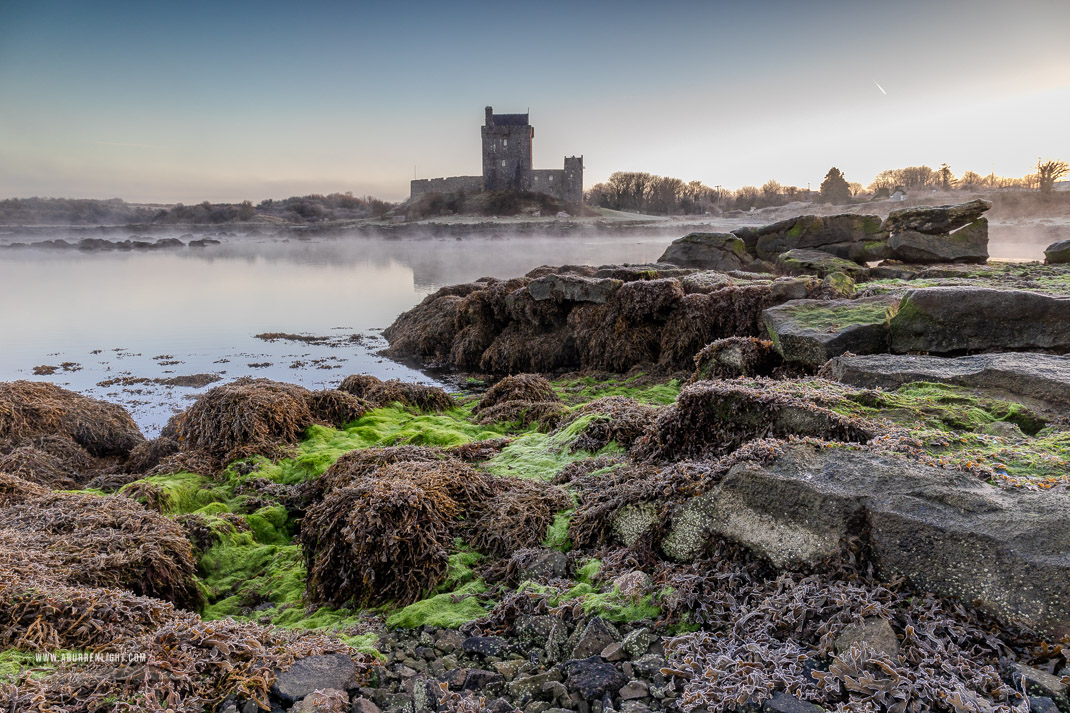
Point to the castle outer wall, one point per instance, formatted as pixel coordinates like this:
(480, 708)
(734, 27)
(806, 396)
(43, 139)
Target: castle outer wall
(507, 165)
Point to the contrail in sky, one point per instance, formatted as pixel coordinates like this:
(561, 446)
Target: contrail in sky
(880, 87)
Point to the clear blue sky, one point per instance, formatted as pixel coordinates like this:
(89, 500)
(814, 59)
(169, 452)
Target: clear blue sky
(154, 101)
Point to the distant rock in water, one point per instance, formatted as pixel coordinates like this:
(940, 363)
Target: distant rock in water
(860, 238)
(708, 251)
(967, 245)
(1057, 253)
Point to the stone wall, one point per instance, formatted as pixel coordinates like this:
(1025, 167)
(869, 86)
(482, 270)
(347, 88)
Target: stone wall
(550, 181)
(453, 184)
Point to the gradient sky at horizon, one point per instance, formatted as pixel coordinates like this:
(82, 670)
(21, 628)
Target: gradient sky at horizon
(225, 101)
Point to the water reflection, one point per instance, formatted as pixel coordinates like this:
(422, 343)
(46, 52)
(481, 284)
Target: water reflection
(162, 314)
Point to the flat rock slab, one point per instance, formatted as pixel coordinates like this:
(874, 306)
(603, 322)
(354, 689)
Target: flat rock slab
(945, 531)
(936, 219)
(813, 331)
(800, 261)
(942, 320)
(573, 288)
(968, 245)
(1044, 377)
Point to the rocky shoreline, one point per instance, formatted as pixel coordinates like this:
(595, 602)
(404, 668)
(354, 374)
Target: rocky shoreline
(683, 486)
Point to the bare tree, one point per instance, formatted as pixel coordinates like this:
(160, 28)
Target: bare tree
(1048, 172)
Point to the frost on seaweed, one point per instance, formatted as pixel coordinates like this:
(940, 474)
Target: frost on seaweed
(95, 541)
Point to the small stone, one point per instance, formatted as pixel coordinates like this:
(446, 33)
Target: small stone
(637, 642)
(783, 703)
(314, 673)
(363, 705)
(592, 678)
(1042, 704)
(404, 671)
(484, 645)
(634, 707)
(598, 635)
(508, 668)
(633, 690)
(530, 685)
(536, 707)
(1037, 682)
(329, 700)
(614, 652)
(500, 705)
(556, 691)
(479, 680)
(874, 631)
(449, 641)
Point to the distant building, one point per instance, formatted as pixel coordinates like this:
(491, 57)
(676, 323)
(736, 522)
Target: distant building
(899, 195)
(507, 165)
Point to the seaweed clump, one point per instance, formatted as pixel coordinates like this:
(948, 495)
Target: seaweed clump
(713, 418)
(30, 409)
(523, 399)
(733, 357)
(183, 664)
(383, 534)
(387, 519)
(378, 393)
(95, 541)
(613, 419)
(243, 418)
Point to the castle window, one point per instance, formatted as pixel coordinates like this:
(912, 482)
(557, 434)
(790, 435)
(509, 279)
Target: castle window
(505, 143)
(551, 179)
(536, 179)
(503, 163)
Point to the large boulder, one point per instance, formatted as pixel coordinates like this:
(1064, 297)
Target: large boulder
(707, 251)
(573, 288)
(811, 332)
(1044, 377)
(1007, 551)
(859, 238)
(943, 320)
(936, 219)
(1057, 253)
(967, 245)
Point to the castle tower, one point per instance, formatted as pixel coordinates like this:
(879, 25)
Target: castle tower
(506, 151)
(573, 184)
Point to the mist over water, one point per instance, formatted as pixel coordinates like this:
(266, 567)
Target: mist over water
(164, 314)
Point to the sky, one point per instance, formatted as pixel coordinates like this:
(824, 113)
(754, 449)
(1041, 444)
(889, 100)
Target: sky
(226, 101)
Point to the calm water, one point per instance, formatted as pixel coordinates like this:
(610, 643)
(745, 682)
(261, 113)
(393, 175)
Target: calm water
(166, 314)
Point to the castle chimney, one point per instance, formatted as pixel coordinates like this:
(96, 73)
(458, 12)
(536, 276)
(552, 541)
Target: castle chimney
(490, 116)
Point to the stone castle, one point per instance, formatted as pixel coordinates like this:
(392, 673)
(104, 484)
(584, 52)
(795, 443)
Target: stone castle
(507, 140)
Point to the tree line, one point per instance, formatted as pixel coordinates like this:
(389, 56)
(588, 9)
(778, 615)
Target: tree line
(664, 195)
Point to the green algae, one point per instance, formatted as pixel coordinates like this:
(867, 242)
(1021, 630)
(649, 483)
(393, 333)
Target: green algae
(541, 456)
(448, 610)
(956, 427)
(583, 389)
(823, 317)
(557, 532)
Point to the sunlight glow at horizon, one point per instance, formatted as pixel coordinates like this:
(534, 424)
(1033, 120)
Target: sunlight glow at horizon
(264, 100)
